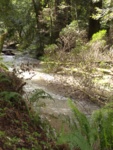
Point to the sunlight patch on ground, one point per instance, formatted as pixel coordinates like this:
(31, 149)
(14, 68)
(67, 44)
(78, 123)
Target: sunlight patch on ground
(105, 82)
(39, 75)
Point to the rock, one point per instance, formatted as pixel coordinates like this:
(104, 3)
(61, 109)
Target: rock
(8, 52)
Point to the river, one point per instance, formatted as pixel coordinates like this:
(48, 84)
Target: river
(57, 86)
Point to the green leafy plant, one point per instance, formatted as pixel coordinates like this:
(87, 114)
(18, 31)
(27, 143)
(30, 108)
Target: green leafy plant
(104, 123)
(98, 36)
(90, 134)
(10, 97)
(82, 134)
(50, 49)
(2, 134)
(4, 78)
(39, 94)
(2, 64)
(36, 97)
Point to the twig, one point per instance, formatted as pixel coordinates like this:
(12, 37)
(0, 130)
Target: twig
(20, 86)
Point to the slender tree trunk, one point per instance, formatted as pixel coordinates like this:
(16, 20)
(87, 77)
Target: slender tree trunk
(69, 15)
(2, 39)
(56, 23)
(37, 9)
(63, 16)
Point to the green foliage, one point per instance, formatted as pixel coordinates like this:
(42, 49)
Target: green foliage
(104, 123)
(105, 13)
(4, 78)
(69, 34)
(37, 97)
(2, 65)
(87, 133)
(82, 134)
(8, 142)
(39, 94)
(10, 97)
(46, 127)
(50, 49)
(75, 140)
(72, 27)
(2, 134)
(98, 36)
(11, 142)
(71, 38)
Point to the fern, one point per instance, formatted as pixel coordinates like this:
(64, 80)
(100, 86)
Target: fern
(75, 140)
(2, 65)
(4, 78)
(85, 133)
(10, 97)
(39, 94)
(82, 134)
(104, 122)
(82, 124)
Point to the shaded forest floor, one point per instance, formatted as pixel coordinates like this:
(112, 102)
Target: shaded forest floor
(20, 127)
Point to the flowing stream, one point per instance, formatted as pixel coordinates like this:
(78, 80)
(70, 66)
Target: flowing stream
(36, 78)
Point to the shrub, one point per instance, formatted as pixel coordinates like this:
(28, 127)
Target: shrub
(99, 36)
(50, 49)
(70, 37)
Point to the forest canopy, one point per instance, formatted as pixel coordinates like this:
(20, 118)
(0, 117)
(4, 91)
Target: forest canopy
(38, 23)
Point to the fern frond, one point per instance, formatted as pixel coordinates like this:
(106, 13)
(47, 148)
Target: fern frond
(11, 97)
(83, 134)
(4, 78)
(80, 121)
(2, 65)
(39, 94)
(104, 122)
(74, 140)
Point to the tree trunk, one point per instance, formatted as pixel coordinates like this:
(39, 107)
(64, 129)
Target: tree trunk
(94, 25)
(2, 39)
(37, 9)
(63, 17)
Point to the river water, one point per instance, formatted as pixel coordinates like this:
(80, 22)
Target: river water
(36, 78)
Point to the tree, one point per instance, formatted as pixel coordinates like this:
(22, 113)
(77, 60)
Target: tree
(94, 25)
